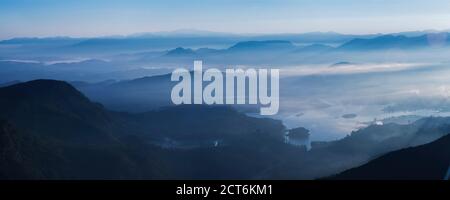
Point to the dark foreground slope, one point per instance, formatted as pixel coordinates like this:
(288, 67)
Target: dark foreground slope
(429, 161)
(49, 130)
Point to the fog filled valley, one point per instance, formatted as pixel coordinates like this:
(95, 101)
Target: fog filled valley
(350, 107)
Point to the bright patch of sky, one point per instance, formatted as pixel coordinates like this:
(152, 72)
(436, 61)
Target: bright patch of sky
(19, 18)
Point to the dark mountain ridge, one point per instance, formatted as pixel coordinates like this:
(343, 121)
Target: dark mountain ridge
(39, 105)
(428, 161)
(55, 132)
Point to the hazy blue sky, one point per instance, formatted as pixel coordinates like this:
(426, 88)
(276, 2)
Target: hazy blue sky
(111, 17)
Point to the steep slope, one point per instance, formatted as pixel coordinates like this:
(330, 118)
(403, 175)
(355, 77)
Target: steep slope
(14, 153)
(28, 156)
(54, 132)
(55, 109)
(428, 161)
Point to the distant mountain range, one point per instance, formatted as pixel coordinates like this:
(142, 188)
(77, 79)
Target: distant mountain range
(196, 37)
(101, 46)
(398, 42)
(98, 59)
(285, 52)
(164, 40)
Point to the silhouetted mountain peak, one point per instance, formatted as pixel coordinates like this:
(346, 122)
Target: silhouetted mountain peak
(262, 45)
(48, 91)
(42, 105)
(180, 51)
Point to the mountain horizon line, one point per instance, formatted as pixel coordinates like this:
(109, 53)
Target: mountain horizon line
(208, 33)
